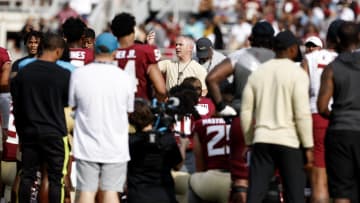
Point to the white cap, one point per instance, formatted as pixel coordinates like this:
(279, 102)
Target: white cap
(315, 40)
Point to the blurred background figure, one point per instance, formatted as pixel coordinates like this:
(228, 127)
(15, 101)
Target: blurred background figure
(89, 38)
(239, 34)
(193, 27)
(66, 12)
(206, 55)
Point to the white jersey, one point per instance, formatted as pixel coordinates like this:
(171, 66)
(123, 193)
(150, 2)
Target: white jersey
(317, 61)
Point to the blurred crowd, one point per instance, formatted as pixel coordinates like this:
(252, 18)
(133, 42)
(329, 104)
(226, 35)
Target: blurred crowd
(227, 23)
(251, 121)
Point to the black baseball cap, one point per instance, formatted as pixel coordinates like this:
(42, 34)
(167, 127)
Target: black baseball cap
(262, 29)
(285, 39)
(203, 47)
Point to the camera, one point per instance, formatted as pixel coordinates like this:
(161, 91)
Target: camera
(166, 113)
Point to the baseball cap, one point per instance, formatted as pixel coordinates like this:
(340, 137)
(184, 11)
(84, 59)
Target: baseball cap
(106, 43)
(314, 40)
(285, 39)
(263, 28)
(203, 47)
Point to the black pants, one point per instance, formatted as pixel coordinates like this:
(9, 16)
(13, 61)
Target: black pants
(265, 158)
(342, 155)
(54, 151)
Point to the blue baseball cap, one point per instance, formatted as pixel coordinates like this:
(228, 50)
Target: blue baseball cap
(106, 43)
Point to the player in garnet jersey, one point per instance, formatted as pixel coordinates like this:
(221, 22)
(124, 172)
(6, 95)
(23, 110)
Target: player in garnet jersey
(138, 60)
(5, 98)
(212, 180)
(205, 107)
(73, 30)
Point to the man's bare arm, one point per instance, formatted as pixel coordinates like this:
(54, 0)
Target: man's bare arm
(326, 92)
(218, 74)
(158, 81)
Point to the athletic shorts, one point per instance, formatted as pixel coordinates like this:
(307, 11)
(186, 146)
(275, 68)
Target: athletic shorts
(105, 176)
(319, 130)
(342, 161)
(211, 185)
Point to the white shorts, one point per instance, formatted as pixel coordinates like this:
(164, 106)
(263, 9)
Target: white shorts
(92, 176)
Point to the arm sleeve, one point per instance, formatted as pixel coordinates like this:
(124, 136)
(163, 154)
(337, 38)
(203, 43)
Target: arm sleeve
(301, 107)
(131, 96)
(72, 100)
(238, 165)
(4, 56)
(246, 115)
(163, 65)
(235, 56)
(153, 54)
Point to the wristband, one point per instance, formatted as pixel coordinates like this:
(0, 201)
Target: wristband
(220, 106)
(236, 189)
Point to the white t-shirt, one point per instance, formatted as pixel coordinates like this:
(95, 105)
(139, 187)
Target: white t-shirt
(215, 60)
(102, 95)
(317, 60)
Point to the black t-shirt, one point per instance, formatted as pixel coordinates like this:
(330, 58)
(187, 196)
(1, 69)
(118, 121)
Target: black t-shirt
(149, 178)
(40, 93)
(15, 65)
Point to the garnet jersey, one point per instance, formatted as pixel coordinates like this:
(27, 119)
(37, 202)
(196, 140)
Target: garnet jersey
(214, 134)
(184, 126)
(317, 61)
(238, 164)
(136, 60)
(81, 56)
(205, 107)
(4, 57)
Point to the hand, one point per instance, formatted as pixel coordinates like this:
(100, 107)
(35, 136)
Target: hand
(309, 159)
(184, 142)
(228, 111)
(150, 38)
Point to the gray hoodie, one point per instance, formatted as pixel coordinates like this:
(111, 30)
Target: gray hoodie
(345, 113)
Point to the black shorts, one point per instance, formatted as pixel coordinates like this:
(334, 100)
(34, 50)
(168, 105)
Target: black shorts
(342, 156)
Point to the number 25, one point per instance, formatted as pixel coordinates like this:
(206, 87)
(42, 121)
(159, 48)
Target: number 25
(222, 132)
